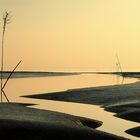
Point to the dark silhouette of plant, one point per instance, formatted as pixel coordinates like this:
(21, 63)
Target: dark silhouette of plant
(6, 20)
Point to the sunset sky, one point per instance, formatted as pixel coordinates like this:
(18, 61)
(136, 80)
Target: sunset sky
(72, 33)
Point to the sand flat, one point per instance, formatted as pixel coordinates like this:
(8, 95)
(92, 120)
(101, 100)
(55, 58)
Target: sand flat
(124, 100)
(20, 122)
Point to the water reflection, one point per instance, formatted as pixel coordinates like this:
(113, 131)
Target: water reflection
(92, 112)
(120, 80)
(28, 86)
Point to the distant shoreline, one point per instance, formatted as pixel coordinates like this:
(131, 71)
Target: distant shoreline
(124, 74)
(28, 74)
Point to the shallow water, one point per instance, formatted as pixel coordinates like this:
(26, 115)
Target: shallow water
(27, 86)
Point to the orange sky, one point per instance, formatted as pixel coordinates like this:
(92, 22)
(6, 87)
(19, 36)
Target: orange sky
(72, 33)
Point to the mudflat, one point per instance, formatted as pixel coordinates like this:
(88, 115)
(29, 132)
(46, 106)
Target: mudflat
(124, 100)
(17, 121)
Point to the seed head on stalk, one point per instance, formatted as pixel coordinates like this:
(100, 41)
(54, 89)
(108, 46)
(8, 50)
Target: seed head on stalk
(6, 20)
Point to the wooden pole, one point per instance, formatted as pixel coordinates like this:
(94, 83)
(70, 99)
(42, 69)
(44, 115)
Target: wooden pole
(119, 64)
(11, 74)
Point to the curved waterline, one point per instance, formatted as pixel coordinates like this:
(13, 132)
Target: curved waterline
(111, 124)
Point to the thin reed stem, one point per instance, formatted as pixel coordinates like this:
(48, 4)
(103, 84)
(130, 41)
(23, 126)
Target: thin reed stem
(6, 21)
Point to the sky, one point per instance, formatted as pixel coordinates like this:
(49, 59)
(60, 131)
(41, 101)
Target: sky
(71, 33)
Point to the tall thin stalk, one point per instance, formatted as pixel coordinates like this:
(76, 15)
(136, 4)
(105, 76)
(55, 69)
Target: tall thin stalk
(118, 63)
(6, 20)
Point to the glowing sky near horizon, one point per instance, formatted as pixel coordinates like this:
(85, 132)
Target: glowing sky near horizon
(72, 33)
